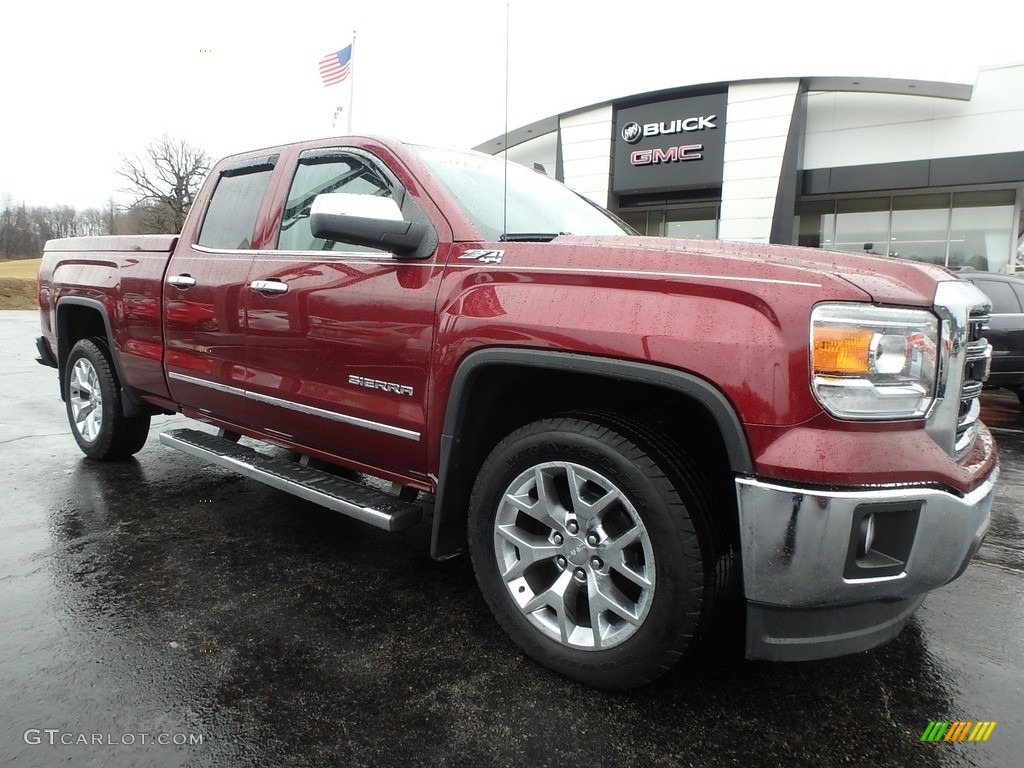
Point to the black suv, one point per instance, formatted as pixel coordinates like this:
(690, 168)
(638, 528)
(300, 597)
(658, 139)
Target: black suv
(1006, 329)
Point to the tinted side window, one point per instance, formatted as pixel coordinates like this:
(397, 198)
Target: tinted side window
(1004, 300)
(231, 217)
(348, 174)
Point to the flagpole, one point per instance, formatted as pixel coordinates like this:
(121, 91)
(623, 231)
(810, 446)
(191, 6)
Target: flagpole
(351, 80)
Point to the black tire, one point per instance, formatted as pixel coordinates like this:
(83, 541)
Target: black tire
(660, 503)
(1020, 397)
(92, 395)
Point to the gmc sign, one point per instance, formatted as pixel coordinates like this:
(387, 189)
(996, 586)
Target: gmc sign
(670, 155)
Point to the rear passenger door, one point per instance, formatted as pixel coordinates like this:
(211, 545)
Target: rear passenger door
(204, 291)
(339, 336)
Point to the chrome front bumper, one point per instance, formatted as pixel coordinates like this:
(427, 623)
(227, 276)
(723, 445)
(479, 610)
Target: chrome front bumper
(833, 572)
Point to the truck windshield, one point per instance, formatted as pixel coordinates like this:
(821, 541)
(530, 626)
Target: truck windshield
(534, 208)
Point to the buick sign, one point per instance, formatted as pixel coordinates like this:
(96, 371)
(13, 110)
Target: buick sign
(633, 132)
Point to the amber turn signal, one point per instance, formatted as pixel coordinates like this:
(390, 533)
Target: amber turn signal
(840, 351)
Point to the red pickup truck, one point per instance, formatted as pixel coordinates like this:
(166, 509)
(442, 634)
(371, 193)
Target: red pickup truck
(626, 433)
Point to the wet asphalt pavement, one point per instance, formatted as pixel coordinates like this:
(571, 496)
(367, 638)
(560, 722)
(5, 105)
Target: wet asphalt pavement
(164, 599)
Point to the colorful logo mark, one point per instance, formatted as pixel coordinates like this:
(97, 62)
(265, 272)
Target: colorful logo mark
(960, 730)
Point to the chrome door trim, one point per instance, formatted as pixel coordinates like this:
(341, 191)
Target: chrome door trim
(226, 388)
(310, 410)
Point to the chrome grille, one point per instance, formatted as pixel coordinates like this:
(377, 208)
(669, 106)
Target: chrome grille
(963, 366)
(977, 360)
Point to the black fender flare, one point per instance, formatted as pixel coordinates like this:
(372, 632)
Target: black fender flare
(130, 404)
(451, 500)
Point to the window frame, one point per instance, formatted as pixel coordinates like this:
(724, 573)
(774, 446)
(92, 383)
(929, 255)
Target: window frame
(244, 167)
(321, 155)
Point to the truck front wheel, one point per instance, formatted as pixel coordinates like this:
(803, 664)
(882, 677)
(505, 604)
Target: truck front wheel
(590, 550)
(92, 394)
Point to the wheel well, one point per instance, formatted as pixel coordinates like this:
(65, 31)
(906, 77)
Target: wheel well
(74, 323)
(81, 319)
(502, 398)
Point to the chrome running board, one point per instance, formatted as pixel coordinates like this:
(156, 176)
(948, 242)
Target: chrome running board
(361, 502)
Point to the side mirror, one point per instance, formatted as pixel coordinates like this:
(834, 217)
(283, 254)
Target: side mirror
(375, 222)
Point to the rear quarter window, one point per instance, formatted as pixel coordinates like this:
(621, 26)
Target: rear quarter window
(233, 208)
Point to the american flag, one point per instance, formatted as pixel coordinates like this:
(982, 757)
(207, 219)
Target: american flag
(334, 67)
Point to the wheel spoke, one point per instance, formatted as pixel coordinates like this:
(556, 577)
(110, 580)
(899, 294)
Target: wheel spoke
(634, 575)
(587, 509)
(538, 510)
(80, 385)
(616, 549)
(605, 596)
(554, 597)
(532, 549)
(547, 493)
(623, 540)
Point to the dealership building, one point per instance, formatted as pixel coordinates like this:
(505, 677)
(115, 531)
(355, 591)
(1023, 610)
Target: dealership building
(925, 170)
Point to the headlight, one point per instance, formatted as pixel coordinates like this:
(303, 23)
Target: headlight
(874, 362)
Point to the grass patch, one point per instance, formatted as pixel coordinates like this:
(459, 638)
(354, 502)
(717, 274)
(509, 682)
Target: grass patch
(18, 283)
(24, 269)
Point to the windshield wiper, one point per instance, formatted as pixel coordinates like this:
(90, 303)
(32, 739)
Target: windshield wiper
(530, 237)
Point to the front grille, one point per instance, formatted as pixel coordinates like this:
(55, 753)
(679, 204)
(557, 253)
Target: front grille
(963, 366)
(977, 360)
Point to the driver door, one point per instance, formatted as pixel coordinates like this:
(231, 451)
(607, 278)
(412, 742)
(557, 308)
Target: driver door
(339, 336)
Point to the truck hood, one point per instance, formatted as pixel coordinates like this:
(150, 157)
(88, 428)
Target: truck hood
(884, 280)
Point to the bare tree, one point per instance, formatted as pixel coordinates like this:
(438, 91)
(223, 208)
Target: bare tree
(165, 181)
(16, 237)
(24, 231)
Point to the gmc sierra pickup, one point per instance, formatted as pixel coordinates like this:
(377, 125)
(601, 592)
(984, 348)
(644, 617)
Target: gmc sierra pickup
(626, 433)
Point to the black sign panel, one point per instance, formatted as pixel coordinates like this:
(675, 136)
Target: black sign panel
(677, 144)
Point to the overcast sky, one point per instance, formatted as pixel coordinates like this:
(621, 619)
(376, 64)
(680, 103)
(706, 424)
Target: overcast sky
(82, 82)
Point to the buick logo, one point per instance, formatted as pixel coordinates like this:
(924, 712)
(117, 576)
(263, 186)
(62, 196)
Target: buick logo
(632, 133)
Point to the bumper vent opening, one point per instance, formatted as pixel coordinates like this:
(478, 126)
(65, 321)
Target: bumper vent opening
(881, 537)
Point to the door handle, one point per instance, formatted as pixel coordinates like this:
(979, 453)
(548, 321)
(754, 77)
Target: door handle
(182, 281)
(274, 287)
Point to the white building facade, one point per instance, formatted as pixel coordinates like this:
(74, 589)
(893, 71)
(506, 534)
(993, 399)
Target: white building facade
(918, 169)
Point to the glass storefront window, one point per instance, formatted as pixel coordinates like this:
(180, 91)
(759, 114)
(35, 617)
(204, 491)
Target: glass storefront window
(962, 229)
(981, 230)
(817, 226)
(699, 223)
(1020, 243)
(696, 222)
(919, 228)
(862, 225)
(636, 219)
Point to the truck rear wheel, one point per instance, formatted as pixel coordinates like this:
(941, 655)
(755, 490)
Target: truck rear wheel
(591, 551)
(92, 395)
